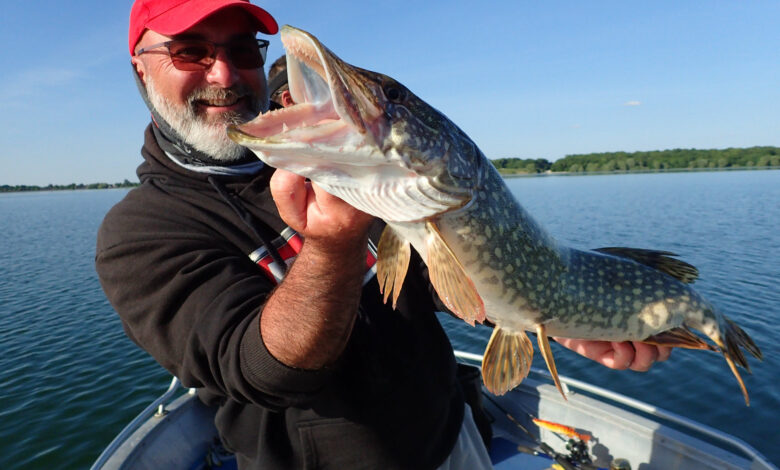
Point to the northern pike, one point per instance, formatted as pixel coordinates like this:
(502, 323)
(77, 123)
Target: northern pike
(365, 138)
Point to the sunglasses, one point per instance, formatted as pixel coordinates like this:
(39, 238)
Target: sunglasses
(196, 55)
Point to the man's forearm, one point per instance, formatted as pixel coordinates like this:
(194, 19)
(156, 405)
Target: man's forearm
(308, 318)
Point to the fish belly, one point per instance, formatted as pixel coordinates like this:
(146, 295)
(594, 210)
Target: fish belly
(514, 264)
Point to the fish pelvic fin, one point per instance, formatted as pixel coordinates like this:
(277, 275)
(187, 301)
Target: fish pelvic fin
(449, 278)
(393, 254)
(507, 360)
(660, 260)
(546, 351)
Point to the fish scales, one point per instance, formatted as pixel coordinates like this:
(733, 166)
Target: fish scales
(496, 239)
(519, 267)
(386, 152)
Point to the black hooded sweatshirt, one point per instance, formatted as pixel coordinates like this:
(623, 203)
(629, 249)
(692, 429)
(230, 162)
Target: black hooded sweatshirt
(173, 258)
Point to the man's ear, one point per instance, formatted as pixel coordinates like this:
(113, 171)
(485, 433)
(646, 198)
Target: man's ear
(286, 99)
(140, 69)
(137, 61)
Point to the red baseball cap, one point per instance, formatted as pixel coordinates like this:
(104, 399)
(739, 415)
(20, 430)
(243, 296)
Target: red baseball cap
(171, 17)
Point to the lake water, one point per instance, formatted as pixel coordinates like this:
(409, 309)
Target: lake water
(70, 379)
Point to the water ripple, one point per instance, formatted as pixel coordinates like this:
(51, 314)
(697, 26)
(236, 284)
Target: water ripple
(70, 379)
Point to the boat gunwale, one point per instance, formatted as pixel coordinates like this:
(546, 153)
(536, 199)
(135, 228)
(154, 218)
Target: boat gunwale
(633, 404)
(158, 408)
(155, 408)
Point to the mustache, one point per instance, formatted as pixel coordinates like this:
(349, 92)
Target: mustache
(219, 93)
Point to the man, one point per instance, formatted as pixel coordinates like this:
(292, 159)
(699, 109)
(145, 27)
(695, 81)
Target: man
(279, 90)
(306, 365)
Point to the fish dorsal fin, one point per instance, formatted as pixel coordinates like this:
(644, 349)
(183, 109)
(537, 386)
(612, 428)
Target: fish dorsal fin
(393, 254)
(450, 280)
(507, 360)
(660, 260)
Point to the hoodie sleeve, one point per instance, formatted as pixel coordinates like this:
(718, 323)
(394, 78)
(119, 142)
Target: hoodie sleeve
(192, 300)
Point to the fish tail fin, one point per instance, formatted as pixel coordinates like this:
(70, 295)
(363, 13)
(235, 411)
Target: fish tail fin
(736, 337)
(731, 339)
(735, 371)
(507, 360)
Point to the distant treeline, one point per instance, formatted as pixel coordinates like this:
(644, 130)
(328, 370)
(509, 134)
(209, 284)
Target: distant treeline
(656, 160)
(676, 159)
(522, 165)
(61, 187)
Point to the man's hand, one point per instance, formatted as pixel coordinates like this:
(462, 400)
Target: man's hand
(618, 355)
(308, 318)
(315, 214)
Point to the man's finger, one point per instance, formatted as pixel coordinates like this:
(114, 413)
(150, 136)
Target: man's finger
(622, 355)
(644, 357)
(290, 195)
(602, 352)
(663, 353)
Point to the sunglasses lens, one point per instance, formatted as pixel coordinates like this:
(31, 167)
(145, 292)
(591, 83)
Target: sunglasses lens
(190, 56)
(246, 55)
(199, 55)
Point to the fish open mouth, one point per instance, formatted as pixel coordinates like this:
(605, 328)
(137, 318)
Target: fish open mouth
(327, 110)
(340, 134)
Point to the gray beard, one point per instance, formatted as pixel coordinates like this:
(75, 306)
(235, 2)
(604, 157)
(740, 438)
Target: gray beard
(208, 137)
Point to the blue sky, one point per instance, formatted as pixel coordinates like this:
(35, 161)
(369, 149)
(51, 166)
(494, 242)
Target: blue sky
(523, 79)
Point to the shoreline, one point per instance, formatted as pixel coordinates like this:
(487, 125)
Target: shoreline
(23, 188)
(630, 172)
(7, 189)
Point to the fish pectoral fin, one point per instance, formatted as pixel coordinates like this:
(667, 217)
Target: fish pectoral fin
(507, 360)
(450, 280)
(393, 254)
(680, 337)
(660, 260)
(544, 349)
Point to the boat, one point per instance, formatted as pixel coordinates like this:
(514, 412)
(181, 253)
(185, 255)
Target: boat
(593, 428)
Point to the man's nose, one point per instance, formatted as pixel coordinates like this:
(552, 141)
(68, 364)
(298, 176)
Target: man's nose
(222, 71)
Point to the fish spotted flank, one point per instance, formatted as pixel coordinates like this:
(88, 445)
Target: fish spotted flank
(365, 138)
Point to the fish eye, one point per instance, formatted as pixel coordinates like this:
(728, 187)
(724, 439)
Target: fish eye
(393, 92)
